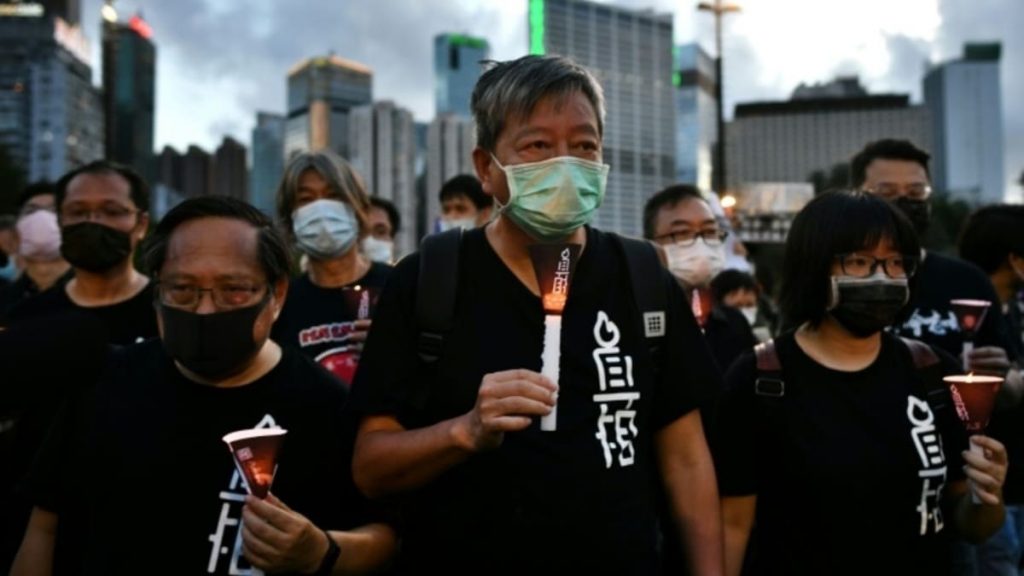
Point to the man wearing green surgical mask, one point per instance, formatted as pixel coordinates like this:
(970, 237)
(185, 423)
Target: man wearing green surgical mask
(489, 490)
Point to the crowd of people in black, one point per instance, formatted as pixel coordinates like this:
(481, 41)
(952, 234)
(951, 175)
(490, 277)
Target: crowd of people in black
(651, 410)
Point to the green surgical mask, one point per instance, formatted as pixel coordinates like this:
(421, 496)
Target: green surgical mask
(551, 199)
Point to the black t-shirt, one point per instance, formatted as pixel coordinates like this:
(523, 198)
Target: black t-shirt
(45, 359)
(579, 499)
(143, 484)
(1008, 425)
(20, 290)
(847, 467)
(728, 334)
(124, 323)
(931, 319)
(318, 321)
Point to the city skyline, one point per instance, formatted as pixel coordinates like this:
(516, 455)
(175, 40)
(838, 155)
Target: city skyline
(208, 88)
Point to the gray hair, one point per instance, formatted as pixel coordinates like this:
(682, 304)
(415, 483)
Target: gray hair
(340, 176)
(511, 90)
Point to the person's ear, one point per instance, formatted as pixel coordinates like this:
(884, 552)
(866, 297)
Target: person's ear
(280, 295)
(482, 162)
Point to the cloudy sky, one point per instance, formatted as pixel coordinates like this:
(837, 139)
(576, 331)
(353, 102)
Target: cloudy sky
(219, 61)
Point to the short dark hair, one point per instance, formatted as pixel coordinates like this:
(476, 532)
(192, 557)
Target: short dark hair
(991, 234)
(512, 89)
(667, 198)
(465, 185)
(40, 188)
(728, 281)
(389, 208)
(831, 224)
(138, 187)
(887, 149)
(273, 249)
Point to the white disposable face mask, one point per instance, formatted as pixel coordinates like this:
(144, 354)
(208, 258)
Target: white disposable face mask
(750, 313)
(325, 229)
(450, 224)
(379, 250)
(695, 265)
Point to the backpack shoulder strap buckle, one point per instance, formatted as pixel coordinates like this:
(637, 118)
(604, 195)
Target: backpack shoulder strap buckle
(769, 381)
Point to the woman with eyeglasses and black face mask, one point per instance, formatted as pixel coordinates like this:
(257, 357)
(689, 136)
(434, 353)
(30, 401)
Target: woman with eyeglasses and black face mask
(847, 456)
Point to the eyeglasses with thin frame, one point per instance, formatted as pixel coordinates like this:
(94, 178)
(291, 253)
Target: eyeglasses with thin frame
(863, 266)
(225, 297)
(110, 214)
(710, 238)
(893, 191)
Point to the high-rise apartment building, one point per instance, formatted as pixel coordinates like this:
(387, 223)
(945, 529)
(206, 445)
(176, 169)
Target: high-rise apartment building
(630, 53)
(321, 91)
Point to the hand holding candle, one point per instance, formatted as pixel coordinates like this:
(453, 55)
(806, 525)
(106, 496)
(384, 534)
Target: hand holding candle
(974, 397)
(255, 452)
(969, 315)
(554, 265)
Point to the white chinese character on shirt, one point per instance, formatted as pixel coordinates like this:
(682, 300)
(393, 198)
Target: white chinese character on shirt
(616, 424)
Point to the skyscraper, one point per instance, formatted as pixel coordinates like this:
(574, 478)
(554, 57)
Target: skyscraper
(630, 53)
(696, 128)
(267, 160)
(321, 91)
(170, 168)
(819, 128)
(450, 143)
(383, 151)
(456, 68)
(197, 172)
(967, 115)
(230, 175)
(51, 116)
(129, 85)
(168, 183)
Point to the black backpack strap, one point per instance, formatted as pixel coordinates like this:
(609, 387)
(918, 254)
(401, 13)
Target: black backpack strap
(929, 371)
(769, 382)
(649, 294)
(436, 291)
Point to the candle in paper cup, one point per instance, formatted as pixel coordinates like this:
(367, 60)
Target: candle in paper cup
(554, 265)
(974, 397)
(969, 315)
(255, 453)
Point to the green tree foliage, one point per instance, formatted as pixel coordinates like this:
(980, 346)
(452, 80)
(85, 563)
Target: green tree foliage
(948, 217)
(836, 177)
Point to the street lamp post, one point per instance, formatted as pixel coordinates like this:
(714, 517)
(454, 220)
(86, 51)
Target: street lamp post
(719, 9)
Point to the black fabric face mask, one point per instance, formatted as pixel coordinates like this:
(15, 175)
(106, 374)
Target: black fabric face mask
(865, 306)
(919, 212)
(94, 247)
(213, 346)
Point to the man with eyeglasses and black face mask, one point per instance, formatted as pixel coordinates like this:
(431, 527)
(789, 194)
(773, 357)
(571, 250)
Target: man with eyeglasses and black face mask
(898, 171)
(54, 341)
(102, 212)
(135, 477)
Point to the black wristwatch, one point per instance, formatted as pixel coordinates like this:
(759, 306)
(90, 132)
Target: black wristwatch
(330, 558)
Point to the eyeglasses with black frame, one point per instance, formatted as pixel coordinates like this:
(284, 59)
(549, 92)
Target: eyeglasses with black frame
(689, 238)
(225, 296)
(863, 266)
(916, 191)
